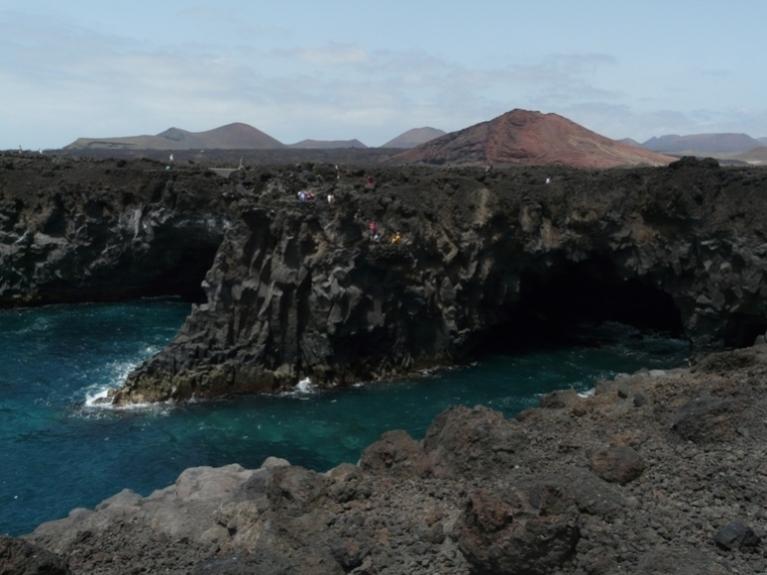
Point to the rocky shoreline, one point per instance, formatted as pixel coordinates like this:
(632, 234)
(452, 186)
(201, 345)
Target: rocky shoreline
(655, 473)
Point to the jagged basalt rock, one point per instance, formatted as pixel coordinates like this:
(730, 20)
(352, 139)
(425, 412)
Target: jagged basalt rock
(303, 292)
(466, 261)
(529, 531)
(104, 231)
(397, 453)
(464, 440)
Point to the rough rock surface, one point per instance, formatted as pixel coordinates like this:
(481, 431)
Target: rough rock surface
(19, 557)
(90, 231)
(300, 290)
(619, 464)
(531, 530)
(736, 535)
(479, 494)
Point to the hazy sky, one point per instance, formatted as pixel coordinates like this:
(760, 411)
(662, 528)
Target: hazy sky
(337, 69)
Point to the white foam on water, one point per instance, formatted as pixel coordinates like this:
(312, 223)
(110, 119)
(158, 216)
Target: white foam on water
(305, 386)
(587, 393)
(96, 395)
(302, 390)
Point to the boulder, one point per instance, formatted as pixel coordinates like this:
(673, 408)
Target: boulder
(395, 453)
(526, 531)
(292, 490)
(617, 464)
(464, 440)
(705, 420)
(736, 535)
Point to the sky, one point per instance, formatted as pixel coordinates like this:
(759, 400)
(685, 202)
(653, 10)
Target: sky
(342, 69)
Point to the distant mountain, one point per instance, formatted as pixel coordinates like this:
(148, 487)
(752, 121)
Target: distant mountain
(414, 137)
(530, 138)
(763, 141)
(703, 144)
(235, 136)
(327, 144)
(630, 142)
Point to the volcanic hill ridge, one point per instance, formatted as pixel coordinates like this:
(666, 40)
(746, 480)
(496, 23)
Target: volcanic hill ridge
(236, 136)
(703, 144)
(414, 137)
(530, 138)
(310, 144)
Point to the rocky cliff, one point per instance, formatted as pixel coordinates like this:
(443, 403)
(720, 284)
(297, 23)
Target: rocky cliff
(657, 473)
(460, 261)
(463, 261)
(92, 231)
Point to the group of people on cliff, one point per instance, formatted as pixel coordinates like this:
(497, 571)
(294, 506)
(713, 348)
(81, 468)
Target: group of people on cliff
(395, 238)
(309, 195)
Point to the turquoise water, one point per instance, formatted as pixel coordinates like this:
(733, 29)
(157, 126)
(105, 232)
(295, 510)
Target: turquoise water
(56, 453)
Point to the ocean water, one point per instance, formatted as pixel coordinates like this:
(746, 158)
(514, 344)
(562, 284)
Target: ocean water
(58, 453)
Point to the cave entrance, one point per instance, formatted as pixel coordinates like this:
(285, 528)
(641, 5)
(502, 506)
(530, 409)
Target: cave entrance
(554, 302)
(182, 265)
(741, 330)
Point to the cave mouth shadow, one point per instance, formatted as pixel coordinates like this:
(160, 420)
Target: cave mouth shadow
(183, 268)
(555, 303)
(742, 330)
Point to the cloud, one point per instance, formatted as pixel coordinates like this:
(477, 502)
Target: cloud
(64, 81)
(331, 54)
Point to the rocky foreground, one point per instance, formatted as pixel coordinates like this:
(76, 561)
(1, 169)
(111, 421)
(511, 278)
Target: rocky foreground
(656, 473)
